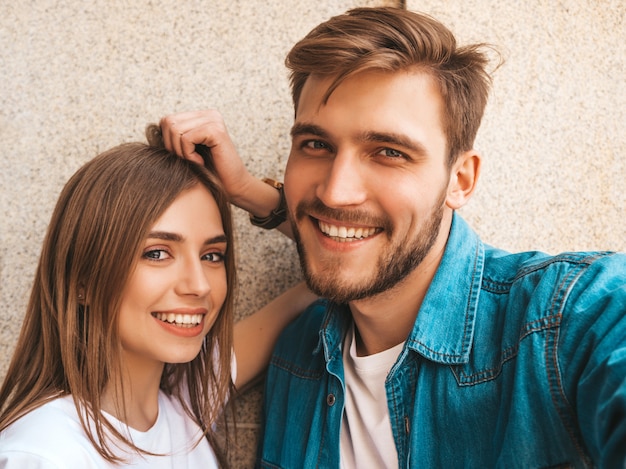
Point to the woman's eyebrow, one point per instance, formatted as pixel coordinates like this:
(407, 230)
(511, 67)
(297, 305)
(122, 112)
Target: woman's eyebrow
(176, 237)
(166, 236)
(221, 238)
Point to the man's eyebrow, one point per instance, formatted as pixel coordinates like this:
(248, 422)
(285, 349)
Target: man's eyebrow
(303, 128)
(395, 139)
(176, 237)
(375, 137)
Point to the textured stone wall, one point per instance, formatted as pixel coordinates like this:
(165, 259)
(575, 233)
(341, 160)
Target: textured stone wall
(554, 133)
(78, 78)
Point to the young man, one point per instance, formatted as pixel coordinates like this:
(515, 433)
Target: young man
(430, 348)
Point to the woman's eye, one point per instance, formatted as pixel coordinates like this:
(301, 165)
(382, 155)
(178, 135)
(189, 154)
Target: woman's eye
(155, 254)
(214, 257)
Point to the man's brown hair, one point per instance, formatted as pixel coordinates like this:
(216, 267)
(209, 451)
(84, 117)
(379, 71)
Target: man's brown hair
(392, 39)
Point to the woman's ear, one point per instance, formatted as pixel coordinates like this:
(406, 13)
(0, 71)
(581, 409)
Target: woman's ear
(463, 179)
(81, 296)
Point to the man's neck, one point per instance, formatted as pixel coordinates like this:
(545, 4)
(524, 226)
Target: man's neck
(385, 320)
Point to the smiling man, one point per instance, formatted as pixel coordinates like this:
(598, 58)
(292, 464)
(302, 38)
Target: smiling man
(429, 347)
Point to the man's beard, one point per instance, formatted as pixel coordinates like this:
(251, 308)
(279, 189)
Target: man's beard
(394, 265)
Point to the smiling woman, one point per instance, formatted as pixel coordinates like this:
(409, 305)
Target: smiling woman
(125, 354)
(176, 290)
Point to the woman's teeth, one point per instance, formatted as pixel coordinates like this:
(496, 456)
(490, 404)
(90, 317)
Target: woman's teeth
(181, 320)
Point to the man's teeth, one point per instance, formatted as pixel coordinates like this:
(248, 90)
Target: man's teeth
(343, 233)
(181, 320)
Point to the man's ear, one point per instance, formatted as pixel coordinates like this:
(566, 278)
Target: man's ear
(463, 179)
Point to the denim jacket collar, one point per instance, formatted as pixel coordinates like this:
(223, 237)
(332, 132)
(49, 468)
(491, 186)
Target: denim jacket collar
(444, 327)
(333, 328)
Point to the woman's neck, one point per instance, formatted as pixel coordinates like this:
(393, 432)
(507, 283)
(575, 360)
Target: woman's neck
(137, 405)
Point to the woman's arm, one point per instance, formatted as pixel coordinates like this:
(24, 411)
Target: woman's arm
(256, 334)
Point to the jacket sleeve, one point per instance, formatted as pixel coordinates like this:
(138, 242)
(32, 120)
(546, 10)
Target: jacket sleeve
(593, 358)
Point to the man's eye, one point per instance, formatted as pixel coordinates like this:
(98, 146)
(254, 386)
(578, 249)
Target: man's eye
(391, 153)
(214, 257)
(155, 254)
(315, 145)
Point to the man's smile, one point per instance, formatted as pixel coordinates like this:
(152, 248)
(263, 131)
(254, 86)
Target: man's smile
(346, 233)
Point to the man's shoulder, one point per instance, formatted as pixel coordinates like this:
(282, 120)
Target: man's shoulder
(309, 322)
(312, 317)
(303, 333)
(509, 268)
(574, 284)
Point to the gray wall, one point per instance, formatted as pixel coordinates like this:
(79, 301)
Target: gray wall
(78, 78)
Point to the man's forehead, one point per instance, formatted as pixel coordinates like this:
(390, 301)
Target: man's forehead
(403, 107)
(411, 86)
(318, 86)
(315, 88)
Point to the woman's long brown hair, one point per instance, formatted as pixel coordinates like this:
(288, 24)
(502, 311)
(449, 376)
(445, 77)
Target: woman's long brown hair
(72, 347)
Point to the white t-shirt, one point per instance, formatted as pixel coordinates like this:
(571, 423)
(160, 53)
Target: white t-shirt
(51, 437)
(366, 437)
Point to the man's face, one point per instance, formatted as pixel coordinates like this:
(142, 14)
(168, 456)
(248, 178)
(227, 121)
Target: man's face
(366, 181)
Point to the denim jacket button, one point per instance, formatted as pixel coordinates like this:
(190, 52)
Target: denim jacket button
(330, 400)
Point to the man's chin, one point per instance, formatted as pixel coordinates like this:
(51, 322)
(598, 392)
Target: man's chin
(334, 289)
(330, 278)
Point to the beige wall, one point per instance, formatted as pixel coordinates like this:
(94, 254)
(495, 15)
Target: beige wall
(554, 134)
(78, 78)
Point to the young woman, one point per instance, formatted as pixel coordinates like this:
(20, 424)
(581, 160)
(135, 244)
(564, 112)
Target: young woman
(125, 353)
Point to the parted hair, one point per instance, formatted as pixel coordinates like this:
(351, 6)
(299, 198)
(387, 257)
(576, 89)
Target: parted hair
(393, 39)
(71, 346)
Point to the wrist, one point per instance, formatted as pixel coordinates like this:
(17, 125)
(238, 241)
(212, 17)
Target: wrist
(278, 215)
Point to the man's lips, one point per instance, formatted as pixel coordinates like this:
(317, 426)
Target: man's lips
(343, 233)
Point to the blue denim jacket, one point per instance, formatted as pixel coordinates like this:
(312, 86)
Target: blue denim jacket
(515, 360)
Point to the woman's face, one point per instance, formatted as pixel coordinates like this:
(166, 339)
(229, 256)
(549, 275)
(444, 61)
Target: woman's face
(178, 285)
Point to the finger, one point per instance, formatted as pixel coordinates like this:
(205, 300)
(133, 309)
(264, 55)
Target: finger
(176, 136)
(171, 134)
(183, 131)
(174, 126)
(202, 129)
(188, 149)
(205, 134)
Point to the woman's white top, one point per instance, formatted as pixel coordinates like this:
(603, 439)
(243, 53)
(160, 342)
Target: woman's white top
(51, 436)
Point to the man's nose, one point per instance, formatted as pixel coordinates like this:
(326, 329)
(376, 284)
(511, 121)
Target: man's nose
(344, 184)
